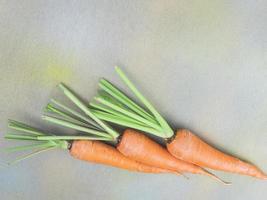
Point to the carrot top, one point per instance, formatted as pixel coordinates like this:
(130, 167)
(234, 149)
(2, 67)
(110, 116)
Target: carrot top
(63, 115)
(87, 122)
(40, 141)
(112, 105)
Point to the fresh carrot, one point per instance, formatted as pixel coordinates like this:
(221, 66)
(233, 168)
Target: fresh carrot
(80, 147)
(99, 152)
(133, 145)
(139, 147)
(191, 148)
(114, 106)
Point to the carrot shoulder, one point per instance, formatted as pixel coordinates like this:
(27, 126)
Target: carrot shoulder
(189, 147)
(101, 153)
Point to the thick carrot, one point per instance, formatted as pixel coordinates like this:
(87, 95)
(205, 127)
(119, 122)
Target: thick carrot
(189, 147)
(139, 147)
(98, 152)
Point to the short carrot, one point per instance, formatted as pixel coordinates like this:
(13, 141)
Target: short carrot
(115, 107)
(80, 147)
(133, 145)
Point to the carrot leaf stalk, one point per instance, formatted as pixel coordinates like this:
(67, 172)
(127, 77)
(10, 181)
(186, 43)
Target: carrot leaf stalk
(114, 106)
(40, 141)
(86, 122)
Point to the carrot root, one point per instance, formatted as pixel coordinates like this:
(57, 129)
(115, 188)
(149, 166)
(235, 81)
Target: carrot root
(139, 147)
(101, 153)
(188, 147)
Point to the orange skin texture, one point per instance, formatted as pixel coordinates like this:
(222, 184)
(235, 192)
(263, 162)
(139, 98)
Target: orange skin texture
(141, 148)
(188, 147)
(101, 153)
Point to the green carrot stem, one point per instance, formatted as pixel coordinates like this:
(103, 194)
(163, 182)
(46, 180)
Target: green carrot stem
(23, 127)
(127, 113)
(44, 138)
(86, 110)
(117, 120)
(68, 117)
(30, 155)
(75, 126)
(19, 137)
(168, 131)
(116, 93)
(115, 113)
(77, 114)
(28, 147)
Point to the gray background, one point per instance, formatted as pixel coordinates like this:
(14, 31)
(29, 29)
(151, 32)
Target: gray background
(202, 64)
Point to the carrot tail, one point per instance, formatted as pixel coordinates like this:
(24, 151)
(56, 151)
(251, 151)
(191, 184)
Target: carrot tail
(189, 147)
(101, 153)
(139, 147)
(208, 173)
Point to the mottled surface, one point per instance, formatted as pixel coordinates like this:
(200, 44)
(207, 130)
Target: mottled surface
(202, 63)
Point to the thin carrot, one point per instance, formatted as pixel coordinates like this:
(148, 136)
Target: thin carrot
(131, 144)
(99, 152)
(189, 147)
(80, 147)
(115, 107)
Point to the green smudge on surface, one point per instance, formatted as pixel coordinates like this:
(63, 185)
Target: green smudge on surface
(43, 67)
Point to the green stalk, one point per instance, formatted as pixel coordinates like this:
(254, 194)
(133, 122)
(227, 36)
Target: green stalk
(76, 114)
(19, 137)
(127, 113)
(87, 111)
(168, 131)
(31, 155)
(23, 127)
(28, 147)
(50, 108)
(117, 94)
(115, 113)
(118, 120)
(44, 138)
(75, 126)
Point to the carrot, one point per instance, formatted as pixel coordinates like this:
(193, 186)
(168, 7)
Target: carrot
(80, 147)
(115, 107)
(187, 146)
(139, 147)
(99, 152)
(131, 144)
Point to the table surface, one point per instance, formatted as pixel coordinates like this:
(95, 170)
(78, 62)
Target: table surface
(202, 63)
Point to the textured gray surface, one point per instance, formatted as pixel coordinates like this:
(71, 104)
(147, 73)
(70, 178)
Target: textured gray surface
(202, 63)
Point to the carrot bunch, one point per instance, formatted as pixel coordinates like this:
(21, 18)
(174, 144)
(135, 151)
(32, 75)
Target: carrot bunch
(131, 150)
(141, 149)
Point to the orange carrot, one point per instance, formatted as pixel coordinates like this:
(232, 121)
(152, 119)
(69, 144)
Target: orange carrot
(189, 147)
(98, 152)
(81, 148)
(139, 147)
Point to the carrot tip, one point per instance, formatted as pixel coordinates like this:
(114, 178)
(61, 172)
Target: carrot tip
(186, 177)
(181, 174)
(264, 177)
